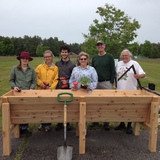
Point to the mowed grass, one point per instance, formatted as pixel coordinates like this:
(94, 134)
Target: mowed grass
(152, 69)
(150, 66)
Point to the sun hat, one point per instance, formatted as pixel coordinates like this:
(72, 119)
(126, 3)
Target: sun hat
(99, 42)
(25, 55)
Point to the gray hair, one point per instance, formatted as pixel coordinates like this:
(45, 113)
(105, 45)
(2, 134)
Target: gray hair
(82, 54)
(126, 50)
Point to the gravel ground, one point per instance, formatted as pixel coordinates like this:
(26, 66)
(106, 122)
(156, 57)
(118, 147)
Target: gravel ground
(100, 145)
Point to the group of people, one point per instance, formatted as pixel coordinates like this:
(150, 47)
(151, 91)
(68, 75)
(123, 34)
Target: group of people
(64, 74)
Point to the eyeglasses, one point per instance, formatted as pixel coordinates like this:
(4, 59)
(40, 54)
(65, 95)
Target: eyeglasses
(125, 55)
(83, 59)
(47, 57)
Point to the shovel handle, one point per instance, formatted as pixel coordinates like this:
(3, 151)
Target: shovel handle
(65, 100)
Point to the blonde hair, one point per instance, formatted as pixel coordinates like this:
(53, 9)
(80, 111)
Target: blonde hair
(48, 51)
(80, 55)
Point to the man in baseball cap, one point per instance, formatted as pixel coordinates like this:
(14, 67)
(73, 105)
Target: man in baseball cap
(99, 42)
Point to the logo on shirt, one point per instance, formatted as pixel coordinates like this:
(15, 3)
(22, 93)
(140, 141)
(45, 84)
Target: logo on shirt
(120, 72)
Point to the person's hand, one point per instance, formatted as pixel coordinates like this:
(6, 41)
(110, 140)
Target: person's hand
(46, 84)
(74, 89)
(43, 86)
(16, 89)
(64, 81)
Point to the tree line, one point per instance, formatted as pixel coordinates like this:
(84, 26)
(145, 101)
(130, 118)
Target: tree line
(115, 28)
(34, 45)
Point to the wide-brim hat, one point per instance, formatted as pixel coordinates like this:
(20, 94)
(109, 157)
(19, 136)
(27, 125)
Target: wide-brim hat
(99, 42)
(25, 55)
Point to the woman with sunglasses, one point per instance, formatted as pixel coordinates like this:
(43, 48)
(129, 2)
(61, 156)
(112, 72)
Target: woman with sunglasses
(83, 72)
(23, 77)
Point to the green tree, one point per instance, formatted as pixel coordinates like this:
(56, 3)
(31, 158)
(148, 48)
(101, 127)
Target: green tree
(134, 48)
(146, 49)
(40, 50)
(116, 29)
(6, 47)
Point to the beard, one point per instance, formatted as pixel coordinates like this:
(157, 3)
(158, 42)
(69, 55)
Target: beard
(65, 57)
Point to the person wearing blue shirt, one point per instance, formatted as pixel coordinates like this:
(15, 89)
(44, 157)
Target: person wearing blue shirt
(83, 72)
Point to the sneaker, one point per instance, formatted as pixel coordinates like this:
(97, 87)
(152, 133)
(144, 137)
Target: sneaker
(121, 126)
(129, 130)
(47, 129)
(106, 126)
(41, 128)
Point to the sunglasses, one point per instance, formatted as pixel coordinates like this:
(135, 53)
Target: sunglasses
(83, 59)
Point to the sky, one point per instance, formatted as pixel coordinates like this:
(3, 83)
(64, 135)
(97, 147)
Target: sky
(70, 19)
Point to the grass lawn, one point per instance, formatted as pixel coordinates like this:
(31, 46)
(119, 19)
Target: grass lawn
(150, 66)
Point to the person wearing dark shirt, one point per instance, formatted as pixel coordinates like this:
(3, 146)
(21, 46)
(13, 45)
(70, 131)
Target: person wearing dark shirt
(65, 66)
(105, 66)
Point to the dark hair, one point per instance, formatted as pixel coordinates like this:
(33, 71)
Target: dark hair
(64, 47)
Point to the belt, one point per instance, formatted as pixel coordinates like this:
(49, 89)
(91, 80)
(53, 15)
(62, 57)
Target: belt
(102, 80)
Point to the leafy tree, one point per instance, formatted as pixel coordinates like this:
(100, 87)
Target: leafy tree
(116, 29)
(134, 48)
(146, 49)
(6, 47)
(40, 50)
(75, 47)
(155, 52)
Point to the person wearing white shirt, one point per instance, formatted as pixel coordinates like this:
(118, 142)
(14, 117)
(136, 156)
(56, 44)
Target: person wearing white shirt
(128, 81)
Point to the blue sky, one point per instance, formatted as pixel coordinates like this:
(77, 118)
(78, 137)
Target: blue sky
(68, 19)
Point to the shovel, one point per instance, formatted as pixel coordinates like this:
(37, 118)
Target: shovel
(65, 152)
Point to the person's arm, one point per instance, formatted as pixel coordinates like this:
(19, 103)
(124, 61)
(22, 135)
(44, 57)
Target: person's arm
(38, 76)
(54, 79)
(112, 70)
(139, 71)
(12, 78)
(72, 80)
(137, 76)
(34, 80)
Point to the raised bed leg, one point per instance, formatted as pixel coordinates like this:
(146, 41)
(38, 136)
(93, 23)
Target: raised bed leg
(82, 128)
(154, 126)
(6, 129)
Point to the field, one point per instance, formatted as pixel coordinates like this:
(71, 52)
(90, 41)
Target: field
(150, 66)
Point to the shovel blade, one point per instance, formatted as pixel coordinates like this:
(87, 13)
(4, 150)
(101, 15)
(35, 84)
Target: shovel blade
(64, 153)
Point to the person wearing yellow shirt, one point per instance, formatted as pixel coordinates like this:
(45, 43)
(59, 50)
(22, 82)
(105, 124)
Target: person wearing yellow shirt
(47, 78)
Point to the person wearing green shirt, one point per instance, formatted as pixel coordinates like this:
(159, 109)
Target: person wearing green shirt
(105, 66)
(23, 77)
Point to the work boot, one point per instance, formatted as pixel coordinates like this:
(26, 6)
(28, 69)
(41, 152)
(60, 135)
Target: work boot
(106, 126)
(94, 124)
(129, 128)
(69, 127)
(121, 126)
(25, 133)
(59, 126)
